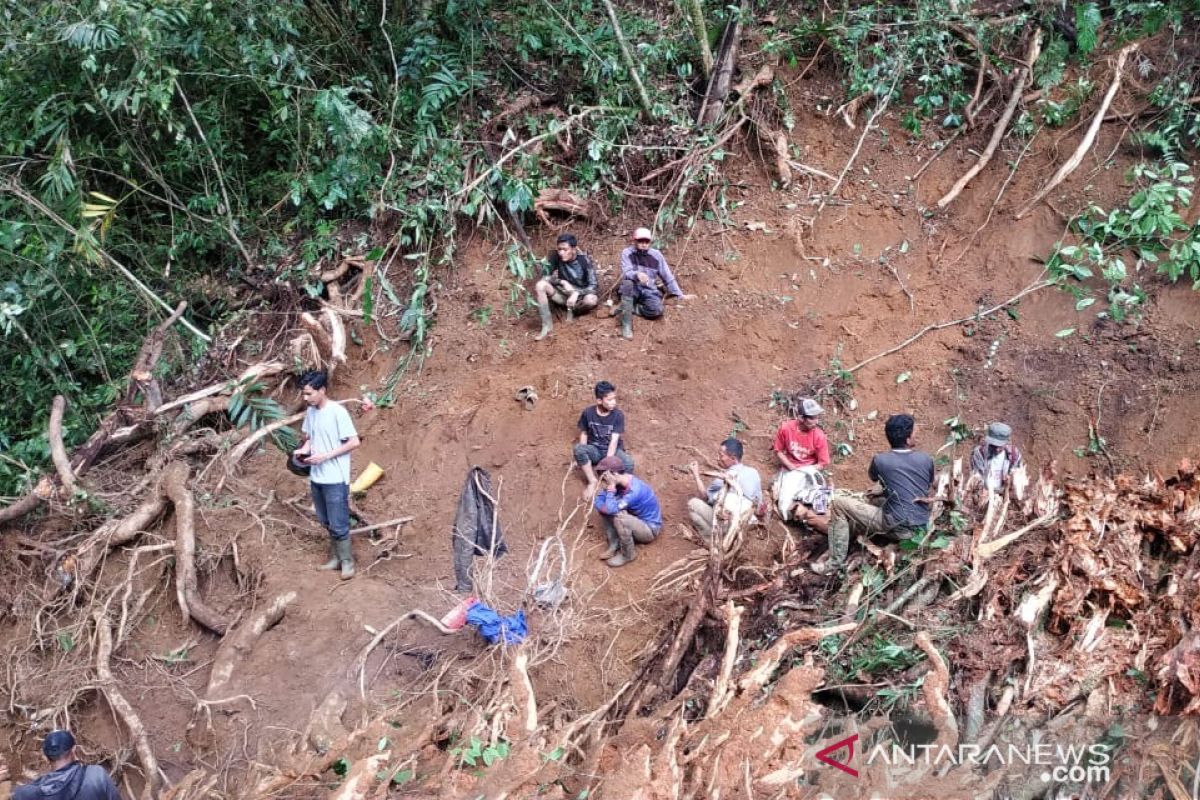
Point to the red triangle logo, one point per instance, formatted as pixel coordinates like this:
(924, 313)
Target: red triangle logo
(848, 743)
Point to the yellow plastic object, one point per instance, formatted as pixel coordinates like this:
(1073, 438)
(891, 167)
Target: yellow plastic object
(367, 479)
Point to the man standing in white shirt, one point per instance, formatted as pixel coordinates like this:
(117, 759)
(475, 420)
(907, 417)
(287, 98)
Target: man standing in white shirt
(329, 436)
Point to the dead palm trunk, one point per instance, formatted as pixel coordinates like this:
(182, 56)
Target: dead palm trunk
(700, 31)
(627, 57)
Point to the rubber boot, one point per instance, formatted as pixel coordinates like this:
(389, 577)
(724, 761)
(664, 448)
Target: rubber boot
(839, 546)
(627, 553)
(346, 557)
(627, 317)
(334, 561)
(547, 321)
(610, 532)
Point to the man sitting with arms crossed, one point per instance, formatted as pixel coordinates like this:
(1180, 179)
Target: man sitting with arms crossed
(907, 478)
(629, 511)
(702, 513)
(570, 281)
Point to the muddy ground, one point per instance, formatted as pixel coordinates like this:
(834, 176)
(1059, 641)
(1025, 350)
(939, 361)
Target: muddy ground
(769, 316)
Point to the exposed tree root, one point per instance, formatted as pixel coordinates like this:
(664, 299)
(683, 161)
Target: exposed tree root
(58, 453)
(122, 708)
(1023, 73)
(190, 602)
(1089, 138)
(237, 646)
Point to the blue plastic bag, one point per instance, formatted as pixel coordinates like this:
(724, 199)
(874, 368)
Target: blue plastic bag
(493, 627)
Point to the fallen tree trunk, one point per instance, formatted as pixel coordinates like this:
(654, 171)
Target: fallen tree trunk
(190, 602)
(721, 76)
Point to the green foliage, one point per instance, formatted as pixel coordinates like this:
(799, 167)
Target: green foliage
(1087, 23)
(1149, 229)
(881, 654)
(477, 751)
(885, 48)
(1177, 130)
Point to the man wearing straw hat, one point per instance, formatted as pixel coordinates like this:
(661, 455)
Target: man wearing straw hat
(643, 268)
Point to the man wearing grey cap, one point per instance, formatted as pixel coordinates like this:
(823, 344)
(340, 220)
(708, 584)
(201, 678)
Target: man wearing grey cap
(69, 779)
(997, 457)
(643, 268)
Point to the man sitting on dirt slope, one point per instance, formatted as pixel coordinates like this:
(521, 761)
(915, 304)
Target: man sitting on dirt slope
(996, 458)
(601, 434)
(801, 489)
(702, 512)
(569, 280)
(629, 511)
(69, 779)
(907, 478)
(642, 269)
(329, 436)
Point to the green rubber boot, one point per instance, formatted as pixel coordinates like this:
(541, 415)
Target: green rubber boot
(627, 317)
(547, 321)
(334, 562)
(346, 558)
(839, 546)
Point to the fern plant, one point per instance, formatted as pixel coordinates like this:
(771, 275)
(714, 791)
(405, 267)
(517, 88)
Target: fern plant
(249, 409)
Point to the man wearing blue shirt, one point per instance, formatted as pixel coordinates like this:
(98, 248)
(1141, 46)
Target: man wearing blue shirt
(628, 509)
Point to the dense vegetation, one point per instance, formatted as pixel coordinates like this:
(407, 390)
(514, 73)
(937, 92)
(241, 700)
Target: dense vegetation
(207, 150)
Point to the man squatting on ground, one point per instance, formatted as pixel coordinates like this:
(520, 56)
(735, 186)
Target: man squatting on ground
(601, 434)
(329, 436)
(702, 512)
(642, 269)
(629, 511)
(68, 780)
(569, 280)
(907, 478)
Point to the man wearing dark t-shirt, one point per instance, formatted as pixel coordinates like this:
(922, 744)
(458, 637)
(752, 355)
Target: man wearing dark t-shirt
(907, 478)
(601, 433)
(570, 281)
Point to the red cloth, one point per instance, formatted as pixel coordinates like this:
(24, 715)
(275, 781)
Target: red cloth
(806, 448)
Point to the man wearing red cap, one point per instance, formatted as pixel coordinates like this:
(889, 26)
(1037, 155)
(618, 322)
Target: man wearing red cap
(643, 268)
(629, 511)
(69, 779)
